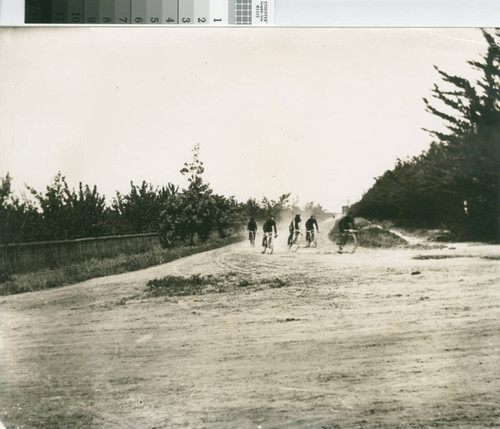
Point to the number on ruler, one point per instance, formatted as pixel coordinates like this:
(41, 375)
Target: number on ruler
(170, 20)
(186, 20)
(155, 19)
(201, 20)
(106, 19)
(91, 19)
(123, 19)
(138, 20)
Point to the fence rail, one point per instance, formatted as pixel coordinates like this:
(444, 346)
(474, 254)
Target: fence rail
(25, 257)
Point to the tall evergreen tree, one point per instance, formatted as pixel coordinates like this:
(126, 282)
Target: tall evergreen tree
(455, 184)
(471, 147)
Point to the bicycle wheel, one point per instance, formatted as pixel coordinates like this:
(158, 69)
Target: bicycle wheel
(350, 244)
(270, 244)
(314, 239)
(308, 238)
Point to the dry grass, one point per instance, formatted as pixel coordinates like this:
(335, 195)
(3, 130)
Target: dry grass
(201, 285)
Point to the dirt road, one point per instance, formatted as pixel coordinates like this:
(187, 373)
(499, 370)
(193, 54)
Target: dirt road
(369, 340)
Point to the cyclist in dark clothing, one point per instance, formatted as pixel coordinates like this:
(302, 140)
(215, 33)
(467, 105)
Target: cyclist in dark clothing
(294, 229)
(252, 225)
(347, 222)
(310, 224)
(252, 230)
(269, 227)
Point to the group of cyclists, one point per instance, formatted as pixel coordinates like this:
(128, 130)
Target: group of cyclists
(346, 228)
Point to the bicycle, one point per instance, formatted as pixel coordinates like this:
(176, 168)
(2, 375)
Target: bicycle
(268, 242)
(293, 243)
(312, 238)
(251, 237)
(348, 241)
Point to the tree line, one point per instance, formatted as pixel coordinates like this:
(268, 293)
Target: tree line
(178, 216)
(455, 183)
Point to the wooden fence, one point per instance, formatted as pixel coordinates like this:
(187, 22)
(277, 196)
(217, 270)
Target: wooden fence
(26, 257)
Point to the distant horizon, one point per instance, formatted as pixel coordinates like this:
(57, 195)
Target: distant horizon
(318, 113)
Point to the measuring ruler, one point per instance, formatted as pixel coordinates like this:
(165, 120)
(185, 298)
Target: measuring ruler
(150, 12)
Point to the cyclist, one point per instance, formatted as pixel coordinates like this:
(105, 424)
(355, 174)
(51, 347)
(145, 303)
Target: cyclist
(346, 223)
(310, 224)
(294, 229)
(252, 230)
(269, 226)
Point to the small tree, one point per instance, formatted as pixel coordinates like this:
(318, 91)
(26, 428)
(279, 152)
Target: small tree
(191, 212)
(275, 207)
(139, 211)
(86, 211)
(55, 209)
(5, 208)
(253, 209)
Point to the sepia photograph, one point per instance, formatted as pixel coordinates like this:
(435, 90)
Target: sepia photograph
(253, 228)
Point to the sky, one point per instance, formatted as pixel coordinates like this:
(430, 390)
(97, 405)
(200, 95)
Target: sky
(315, 112)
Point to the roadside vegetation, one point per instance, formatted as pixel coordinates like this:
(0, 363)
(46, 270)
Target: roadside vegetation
(187, 221)
(77, 272)
(370, 235)
(454, 185)
(179, 215)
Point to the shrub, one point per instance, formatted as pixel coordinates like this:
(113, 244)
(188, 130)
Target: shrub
(370, 235)
(378, 237)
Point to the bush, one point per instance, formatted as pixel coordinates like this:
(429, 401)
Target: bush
(378, 237)
(370, 235)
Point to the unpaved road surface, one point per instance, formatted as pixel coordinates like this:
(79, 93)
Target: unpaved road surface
(369, 340)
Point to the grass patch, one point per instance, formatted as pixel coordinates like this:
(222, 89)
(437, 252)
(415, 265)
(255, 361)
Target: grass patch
(244, 283)
(492, 257)
(201, 285)
(277, 283)
(180, 286)
(81, 271)
(427, 246)
(424, 257)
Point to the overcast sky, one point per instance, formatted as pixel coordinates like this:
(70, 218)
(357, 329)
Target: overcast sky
(315, 112)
